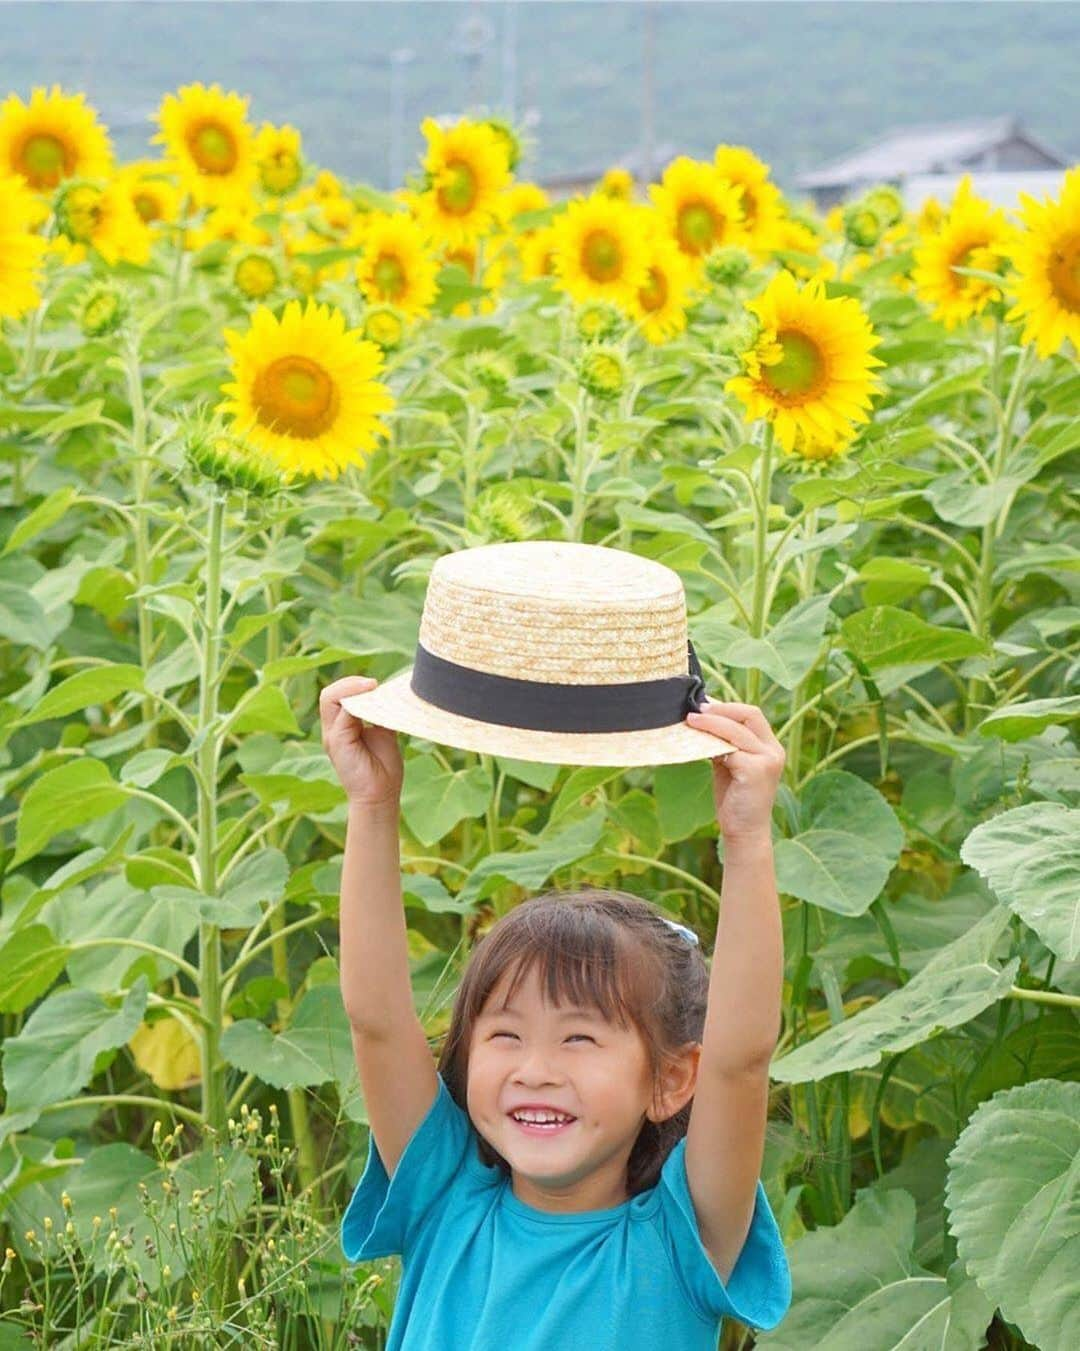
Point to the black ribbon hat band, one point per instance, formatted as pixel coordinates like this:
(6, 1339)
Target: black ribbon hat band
(541, 706)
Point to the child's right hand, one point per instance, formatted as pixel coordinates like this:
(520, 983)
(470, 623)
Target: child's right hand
(366, 758)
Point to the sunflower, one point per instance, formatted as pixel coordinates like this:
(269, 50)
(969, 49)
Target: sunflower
(53, 137)
(467, 167)
(1047, 259)
(151, 192)
(601, 253)
(304, 391)
(618, 183)
(21, 251)
(931, 214)
(277, 158)
(809, 371)
(538, 252)
(209, 143)
(698, 207)
(760, 199)
(660, 304)
(397, 267)
(100, 216)
(974, 234)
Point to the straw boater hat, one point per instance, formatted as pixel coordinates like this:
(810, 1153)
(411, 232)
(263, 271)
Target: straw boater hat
(569, 654)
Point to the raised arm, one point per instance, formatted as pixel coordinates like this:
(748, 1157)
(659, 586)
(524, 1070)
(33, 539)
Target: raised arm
(396, 1068)
(725, 1139)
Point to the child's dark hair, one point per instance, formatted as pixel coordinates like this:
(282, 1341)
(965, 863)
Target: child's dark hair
(602, 949)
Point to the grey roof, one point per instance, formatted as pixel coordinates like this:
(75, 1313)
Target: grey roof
(919, 149)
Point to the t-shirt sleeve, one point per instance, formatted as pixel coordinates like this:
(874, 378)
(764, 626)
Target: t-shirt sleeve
(758, 1291)
(384, 1215)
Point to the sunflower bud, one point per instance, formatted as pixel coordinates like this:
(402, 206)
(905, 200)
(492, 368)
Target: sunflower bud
(887, 202)
(492, 370)
(602, 371)
(102, 308)
(255, 275)
(500, 513)
(598, 319)
(222, 458)
(863, 227)
(385, 325)
(727, 266)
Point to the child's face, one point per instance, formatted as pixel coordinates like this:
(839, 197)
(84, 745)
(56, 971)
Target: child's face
(579, 1064)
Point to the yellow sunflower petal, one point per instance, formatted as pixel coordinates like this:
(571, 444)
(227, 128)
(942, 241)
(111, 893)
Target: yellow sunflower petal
(304, 391)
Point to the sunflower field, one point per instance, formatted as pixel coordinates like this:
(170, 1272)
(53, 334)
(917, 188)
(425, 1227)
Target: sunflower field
(244, 406)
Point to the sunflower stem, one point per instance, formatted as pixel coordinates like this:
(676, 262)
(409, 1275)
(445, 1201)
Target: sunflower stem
(181, 231)
(307, 1163)
(805, 585)
(581, 468)
(761, 526)
(141, 482)
(982, 606)
(210, 989)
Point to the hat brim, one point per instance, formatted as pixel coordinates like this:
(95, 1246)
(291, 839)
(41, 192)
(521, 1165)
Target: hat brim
(393, 704)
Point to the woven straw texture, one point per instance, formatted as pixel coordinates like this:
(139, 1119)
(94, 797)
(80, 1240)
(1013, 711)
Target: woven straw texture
(564, 613)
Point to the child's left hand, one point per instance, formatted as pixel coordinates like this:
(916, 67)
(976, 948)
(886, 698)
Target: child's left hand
(744, 781)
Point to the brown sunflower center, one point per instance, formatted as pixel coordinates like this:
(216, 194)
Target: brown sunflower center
(799, 370)
(389, 276)
(457, 190)
(697, 228)
(147, 205)
(212, 148)
(655, 291)
(45, 159)
(601, 256)
(296, 397)
(1064, 272)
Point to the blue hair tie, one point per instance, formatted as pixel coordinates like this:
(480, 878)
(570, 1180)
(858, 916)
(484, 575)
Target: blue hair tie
(683, 931)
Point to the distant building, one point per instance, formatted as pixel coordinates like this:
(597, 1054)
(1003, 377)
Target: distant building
(929, 160)
(559, 186)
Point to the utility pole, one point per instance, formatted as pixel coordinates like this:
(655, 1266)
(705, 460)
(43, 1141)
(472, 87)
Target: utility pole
(648, 108)
(509, 63)
(474, 35)
(399, 59)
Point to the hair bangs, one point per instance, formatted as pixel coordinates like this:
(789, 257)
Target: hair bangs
(581, 958)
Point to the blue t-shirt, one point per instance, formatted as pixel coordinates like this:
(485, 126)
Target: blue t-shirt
(483, 1271)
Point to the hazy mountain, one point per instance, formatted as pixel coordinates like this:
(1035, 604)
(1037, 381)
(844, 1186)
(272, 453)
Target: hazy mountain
(798, 82)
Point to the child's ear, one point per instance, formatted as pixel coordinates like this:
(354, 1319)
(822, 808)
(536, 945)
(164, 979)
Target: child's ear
(678, 1079)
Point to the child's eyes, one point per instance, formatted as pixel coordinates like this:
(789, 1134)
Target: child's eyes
(576, 1036)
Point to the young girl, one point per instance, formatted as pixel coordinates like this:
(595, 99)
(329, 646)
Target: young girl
(582, 1167)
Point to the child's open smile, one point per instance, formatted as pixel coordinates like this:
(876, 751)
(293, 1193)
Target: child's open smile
(534, 1060)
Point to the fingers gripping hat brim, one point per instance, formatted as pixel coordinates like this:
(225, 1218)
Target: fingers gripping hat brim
(393, 704)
